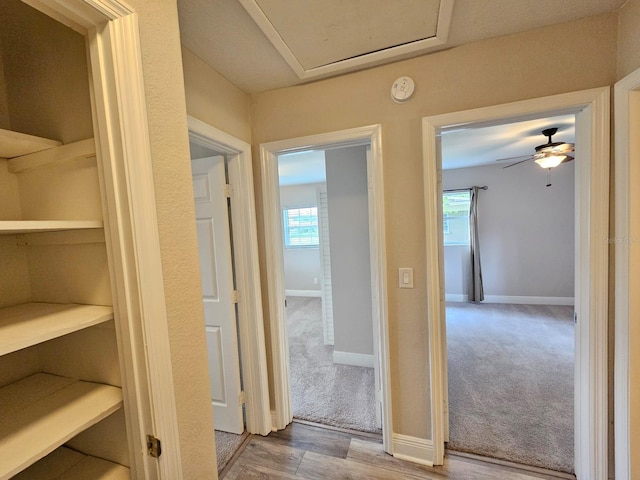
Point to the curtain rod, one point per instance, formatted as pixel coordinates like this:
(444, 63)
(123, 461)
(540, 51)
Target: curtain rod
(465, 189)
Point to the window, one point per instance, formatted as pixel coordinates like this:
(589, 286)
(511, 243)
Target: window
(301, 227)
(455, 210)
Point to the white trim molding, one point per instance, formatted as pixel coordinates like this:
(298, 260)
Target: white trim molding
(245, 239)
(413, 449)
(591, 108)
(303, 293)
(369, 135)
(353, 359)
(626, 246)
(525, 300)
(513, 300)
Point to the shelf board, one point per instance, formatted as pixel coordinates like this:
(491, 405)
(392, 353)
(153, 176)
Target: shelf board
(64, 153)
(40, 413)
(8, 227)
(28, 324)
(66, 464)
(14, 144)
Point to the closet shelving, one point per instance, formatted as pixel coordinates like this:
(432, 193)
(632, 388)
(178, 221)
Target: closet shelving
(41, 412)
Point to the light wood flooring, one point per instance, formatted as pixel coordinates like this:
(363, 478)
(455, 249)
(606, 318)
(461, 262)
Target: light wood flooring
(309, 452)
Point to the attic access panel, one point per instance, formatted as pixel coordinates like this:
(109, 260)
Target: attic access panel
(320, 38)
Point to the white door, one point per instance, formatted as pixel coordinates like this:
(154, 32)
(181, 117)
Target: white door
(216, 270)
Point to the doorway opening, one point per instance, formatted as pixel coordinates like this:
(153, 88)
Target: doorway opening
(274, 240)
(591, 110)
(224, 198)
(327, 274)
(509, 289)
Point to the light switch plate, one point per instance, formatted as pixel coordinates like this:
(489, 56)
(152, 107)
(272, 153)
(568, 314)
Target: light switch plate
(405, 277)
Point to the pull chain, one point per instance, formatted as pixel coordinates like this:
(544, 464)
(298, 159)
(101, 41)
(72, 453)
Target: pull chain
(548, 177)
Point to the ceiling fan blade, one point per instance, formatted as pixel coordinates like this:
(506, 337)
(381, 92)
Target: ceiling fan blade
(518, 163)
(511, 159)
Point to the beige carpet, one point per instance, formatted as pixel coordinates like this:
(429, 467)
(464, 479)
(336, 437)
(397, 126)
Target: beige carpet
(226, 445)
(511, 382)
(321, 391)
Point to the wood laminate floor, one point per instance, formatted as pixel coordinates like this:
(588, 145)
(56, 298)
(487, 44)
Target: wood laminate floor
(314, 453)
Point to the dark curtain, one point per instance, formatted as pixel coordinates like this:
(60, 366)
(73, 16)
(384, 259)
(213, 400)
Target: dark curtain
(476, 292)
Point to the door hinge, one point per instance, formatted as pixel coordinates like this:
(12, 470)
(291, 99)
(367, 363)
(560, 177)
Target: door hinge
(242, 398)
(227, 190)
(235, 296)
(154, 447)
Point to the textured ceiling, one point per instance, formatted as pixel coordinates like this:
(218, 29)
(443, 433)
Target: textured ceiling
(224, 35)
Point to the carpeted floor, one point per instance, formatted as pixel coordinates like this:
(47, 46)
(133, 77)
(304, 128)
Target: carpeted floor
(511, 382)
(322, 392)
(226, 446)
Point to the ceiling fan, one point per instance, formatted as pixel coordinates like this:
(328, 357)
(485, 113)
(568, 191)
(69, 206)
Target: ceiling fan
(548, 155)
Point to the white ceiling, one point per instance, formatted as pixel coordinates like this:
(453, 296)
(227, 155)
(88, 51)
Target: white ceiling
(301, 167)
(472, 147)
(260, 45)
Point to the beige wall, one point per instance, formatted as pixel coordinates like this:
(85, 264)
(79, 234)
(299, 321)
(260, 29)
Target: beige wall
(214, 100)
(525, 230)
(628, 38)
(485, 73)
(55, 102)
(167, 114)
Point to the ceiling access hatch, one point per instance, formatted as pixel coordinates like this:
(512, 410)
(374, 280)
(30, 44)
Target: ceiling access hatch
(322, 38)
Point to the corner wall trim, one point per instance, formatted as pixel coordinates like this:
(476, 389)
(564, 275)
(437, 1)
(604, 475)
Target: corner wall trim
(354, 359)
(412, 449)
(303, 293)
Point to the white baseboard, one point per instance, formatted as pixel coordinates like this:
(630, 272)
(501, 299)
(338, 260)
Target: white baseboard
(515, 300)
(355, 359)
(303, 293)
(529, 300)
(456, 297)
(412, 449)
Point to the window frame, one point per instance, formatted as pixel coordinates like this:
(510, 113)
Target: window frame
(286, 228)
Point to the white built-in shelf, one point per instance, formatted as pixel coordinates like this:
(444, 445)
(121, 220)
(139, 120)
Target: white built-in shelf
(35, 226)
(64, 153)
(14, 144)
(67, 464)
(40, 413)
(22, 326)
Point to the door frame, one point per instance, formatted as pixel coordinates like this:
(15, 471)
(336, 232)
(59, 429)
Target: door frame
(592, 111)
(625, 243)
(131, 228)
(372, 135)
(253, 362)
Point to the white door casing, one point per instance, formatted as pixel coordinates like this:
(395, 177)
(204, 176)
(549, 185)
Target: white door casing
(627, 261)
(369, 135)
(126, 182)
(591, 108)
(216, 270)
(247, 271)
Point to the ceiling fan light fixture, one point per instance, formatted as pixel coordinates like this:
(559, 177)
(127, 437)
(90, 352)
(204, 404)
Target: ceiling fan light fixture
(550, 161)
